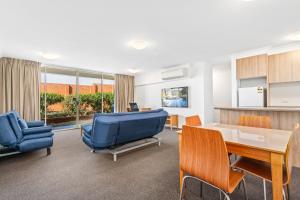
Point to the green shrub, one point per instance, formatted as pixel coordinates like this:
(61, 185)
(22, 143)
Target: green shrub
(87, 103)
(51, 99)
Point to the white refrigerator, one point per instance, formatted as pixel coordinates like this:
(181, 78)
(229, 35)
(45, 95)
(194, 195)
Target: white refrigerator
(252, 97)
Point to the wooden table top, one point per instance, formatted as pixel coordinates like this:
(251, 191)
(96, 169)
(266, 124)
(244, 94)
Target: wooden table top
(272, 140)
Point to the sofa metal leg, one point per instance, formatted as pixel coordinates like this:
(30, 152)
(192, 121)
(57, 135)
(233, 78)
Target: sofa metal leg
(93, 151)
(115, 157)
(48, 151)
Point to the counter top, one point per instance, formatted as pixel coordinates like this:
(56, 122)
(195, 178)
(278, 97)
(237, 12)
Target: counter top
(278, 109)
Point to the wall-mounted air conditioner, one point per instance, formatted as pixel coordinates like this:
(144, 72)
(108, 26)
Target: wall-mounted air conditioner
(174, 73)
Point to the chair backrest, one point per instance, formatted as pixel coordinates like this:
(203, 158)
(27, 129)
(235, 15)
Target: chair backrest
(291, 152)
(193, 121)
(134, 107)
(255, 121)
(15, 125)
(204, 155)
(7, 135)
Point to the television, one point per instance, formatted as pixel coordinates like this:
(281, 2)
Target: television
(175, 97)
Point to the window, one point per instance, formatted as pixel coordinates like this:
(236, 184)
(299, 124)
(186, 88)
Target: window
(70, 97)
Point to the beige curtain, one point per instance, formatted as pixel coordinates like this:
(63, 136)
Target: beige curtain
(20, 87)
(124, 92)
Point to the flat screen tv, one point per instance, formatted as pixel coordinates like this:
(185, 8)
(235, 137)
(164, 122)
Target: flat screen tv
(175, 97)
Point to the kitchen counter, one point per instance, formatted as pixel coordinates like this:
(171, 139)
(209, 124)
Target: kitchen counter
(278, 109)
(283, 118)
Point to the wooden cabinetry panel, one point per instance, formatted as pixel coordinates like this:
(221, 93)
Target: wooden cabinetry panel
(252, 67)
(284, 67)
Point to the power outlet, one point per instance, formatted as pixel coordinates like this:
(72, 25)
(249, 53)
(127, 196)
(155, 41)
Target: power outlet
(285, 101)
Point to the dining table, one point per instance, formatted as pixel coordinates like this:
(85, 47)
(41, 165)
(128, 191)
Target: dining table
(268, 145)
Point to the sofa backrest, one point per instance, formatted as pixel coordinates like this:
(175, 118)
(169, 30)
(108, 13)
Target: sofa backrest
(119, 128)
(7, 135)
(15, 126)
(15, 113)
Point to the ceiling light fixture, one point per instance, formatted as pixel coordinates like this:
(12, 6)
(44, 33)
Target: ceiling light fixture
(139, 44)
(134, 71)
(294, 36)
(50, 56)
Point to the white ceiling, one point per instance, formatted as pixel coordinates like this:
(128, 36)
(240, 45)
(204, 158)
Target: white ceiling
(94, 34)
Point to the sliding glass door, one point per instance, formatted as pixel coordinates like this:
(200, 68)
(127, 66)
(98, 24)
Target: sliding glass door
(59, 98)
(108, 83)
(89, 89)
(70, 97)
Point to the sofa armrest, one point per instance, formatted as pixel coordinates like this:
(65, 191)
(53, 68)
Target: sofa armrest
(87, 128)
(34, 130)
(35, 124)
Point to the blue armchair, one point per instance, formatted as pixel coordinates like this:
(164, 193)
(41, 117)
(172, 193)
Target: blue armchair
(18, 135)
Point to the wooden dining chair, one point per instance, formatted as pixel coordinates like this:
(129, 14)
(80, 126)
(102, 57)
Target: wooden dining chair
(200, 145)
(193, 120)
(263, 169)
(255, 121)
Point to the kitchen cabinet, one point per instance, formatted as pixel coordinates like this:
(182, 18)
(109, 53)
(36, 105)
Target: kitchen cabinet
(252, 67)
(284, 67)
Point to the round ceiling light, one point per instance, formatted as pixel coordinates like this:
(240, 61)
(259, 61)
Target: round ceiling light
(294, 36)
(50, 56)
(139, 44)
(134, 70)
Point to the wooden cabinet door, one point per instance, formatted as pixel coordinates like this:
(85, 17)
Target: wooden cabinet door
(284, 67)
(252, 67)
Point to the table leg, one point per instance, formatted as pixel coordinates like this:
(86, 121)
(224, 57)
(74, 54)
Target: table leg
(276, 162)
(180, 170)
(180, 179)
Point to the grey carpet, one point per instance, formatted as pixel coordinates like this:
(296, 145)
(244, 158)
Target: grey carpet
(71, 172)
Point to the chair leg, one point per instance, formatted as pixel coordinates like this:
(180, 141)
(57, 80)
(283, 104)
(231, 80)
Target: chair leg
(265, 190)
(220, 195)
(48, 151)
(201, 192)
(283, 192)
(182, 188)
(227, 196)
(288, 191)
(245, 189)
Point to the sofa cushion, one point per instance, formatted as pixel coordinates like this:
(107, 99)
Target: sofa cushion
(35, 144)
(36, 130)
(7, 135)
(35, 124)
(136, 129)
(37, 135)
(22, 123)
(15, 126)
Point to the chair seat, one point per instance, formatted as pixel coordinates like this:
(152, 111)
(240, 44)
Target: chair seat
(258, 168)
(235, 178)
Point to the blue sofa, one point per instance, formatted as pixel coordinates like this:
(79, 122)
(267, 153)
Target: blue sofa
(18, 135)
(113, 129)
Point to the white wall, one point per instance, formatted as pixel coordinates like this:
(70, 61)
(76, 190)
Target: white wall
(221, 87)
(285, 94)
(148, 91)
